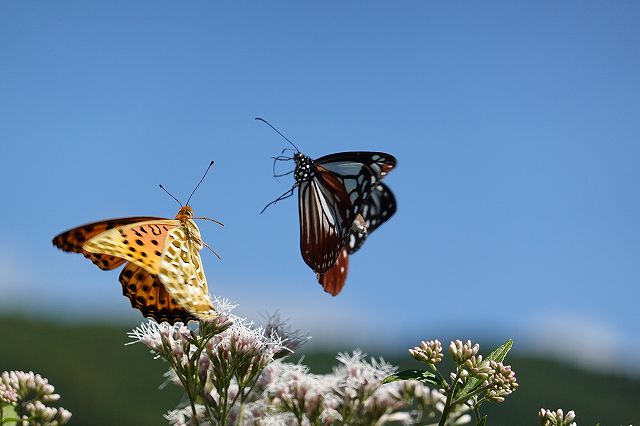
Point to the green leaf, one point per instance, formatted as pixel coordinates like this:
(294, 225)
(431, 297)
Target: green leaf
(483, 421)
(9, 415)
(501, 352)
(421, 375)
(498, 355)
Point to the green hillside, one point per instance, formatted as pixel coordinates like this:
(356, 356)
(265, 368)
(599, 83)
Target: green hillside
(103, 382)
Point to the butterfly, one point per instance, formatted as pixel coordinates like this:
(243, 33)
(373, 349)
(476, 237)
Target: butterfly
(377, 209)
(332, 193)
(163, 275)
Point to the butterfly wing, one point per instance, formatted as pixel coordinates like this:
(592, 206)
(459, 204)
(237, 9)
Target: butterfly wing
(357, 165)
(141, 242)
(182, 273)
(158, 251)
(73, 239)
(325, 213)
(148, 294)
(333, 280)
(378, 208)
(329, 202)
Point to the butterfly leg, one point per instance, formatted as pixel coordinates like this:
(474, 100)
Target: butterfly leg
(283, 174)
(284, 196)
(212, 250)
(287, 149)
(280, 158)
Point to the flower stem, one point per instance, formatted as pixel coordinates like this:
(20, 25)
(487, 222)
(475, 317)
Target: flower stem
(476, 413)
(469, 395)
(448, 405)
(438, 375)
(193, 410)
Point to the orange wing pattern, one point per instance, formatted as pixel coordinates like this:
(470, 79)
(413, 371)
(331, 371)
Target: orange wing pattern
(73, 239)
(146, 293)
(141, 243)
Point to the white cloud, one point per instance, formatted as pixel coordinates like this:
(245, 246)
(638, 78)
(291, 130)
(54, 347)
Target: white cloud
(586, 340)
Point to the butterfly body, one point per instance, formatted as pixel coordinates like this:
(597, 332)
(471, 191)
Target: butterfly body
(163, 275)
(333, 193)
(304, 168)
(334, 206)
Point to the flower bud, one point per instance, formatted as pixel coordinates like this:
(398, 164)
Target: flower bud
(462, 351)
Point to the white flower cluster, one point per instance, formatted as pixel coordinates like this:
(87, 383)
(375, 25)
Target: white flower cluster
(478, 368)
(474, 381)
(352, 394)
(428, 352)
(217, 365)
(501, 382)
(28, 393)
(463, 351)
(556, 418)
(287, 394)
(8, 395)
(232, 373)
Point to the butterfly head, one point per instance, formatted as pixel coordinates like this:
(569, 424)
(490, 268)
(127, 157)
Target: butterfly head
(186, 212)
(304, 167)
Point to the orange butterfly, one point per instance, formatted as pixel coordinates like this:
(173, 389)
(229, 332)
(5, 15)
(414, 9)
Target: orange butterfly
(163, 276)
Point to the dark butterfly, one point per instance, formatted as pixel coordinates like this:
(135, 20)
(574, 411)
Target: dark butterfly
(377, 209)
(333, 191)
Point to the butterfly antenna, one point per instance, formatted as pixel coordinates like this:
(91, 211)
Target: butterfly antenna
(278, 132)
(203, 176)
(210, 220)
(165, 190)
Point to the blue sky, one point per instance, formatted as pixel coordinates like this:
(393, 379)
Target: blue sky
(515, 127)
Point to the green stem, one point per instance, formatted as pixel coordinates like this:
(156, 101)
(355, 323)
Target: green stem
(469, 395)
(245, 394)
(448, 405)
(185, 384)
(208, 408)
(225, 395)
(476, 413)
(240, 414)
(437, 373)
(193, 410)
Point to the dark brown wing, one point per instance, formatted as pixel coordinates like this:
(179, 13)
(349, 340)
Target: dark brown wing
(333, 280)
(326, 214)
(146, 293)
(73, 239)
